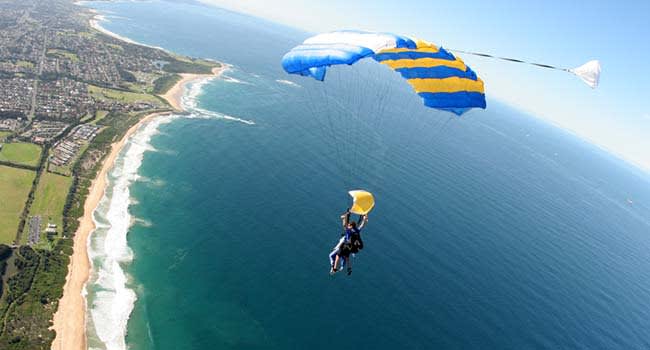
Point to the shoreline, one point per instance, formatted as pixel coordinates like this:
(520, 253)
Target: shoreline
(70, 320)
(95, 24)
(174, 95)
(70, 316)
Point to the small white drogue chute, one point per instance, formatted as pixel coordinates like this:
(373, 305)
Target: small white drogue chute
(588, 72)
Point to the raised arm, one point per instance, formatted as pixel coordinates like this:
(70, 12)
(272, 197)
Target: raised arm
(363, 219)
(345, 218)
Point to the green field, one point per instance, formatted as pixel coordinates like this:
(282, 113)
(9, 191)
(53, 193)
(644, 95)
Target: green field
(49, 199)
(25, 64)
(86, 118)
(182, 64)
(85, 34)
(63, 54)
(93, 118)
(138, 88)
(122, 96)
(99, 115)
(4, 134)
(116, 47)
(164, 83)
(14, 187)
(21, 153)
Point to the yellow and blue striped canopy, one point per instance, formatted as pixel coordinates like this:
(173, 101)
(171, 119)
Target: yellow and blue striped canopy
(442, 80)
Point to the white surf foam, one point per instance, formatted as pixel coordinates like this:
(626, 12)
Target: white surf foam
(110, 295)
(230, 79)
(112, 299)
(142, 222)
(199, 113)
(287, 82)
(190, 102)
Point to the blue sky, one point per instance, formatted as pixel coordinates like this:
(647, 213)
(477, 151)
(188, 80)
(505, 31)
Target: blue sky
(615, 116)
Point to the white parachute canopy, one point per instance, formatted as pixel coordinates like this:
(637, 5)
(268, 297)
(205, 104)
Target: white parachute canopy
(588, 72)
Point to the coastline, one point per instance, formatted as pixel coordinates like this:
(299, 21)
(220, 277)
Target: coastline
(69, 321)
(95, 24)
(174, 95)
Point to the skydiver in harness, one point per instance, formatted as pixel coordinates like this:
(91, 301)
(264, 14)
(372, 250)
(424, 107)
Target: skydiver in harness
(350, 243)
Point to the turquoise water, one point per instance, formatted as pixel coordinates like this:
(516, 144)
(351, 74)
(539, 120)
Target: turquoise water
(493, 231)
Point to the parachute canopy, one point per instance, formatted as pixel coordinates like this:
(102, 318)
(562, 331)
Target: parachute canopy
(362, 202)
(442, 80)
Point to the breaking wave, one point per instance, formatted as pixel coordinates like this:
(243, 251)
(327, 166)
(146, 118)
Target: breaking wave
(229, 79)
(110, 294)
(288, 82)
(142, 222)
(200, 113)
(190, 101)
(111, 300)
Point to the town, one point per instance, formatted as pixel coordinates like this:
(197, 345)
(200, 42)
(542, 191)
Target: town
(61, 82)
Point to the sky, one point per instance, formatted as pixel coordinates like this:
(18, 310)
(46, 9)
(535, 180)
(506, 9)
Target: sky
(615, 116)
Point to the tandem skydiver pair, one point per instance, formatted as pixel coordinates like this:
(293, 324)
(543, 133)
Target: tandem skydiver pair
(350, 242)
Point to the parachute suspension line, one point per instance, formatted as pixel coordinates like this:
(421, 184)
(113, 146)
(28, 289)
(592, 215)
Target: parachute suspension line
(343, 133)
(382, 109)
(318, 103)
(344, 120)
(382, 99)
(351, 120)
(383, 94)
(444, 126)
(352, 127)
(328, 132)
(410, 114)
(314, 107)
(374, 109)
(381, 117)
(588, 72)
(436, 136)
(379, 113)
(335, 138)
(356, 132)
(371, 101)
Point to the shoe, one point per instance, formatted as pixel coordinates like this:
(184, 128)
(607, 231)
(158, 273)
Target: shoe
(333, 271)
(349, 271)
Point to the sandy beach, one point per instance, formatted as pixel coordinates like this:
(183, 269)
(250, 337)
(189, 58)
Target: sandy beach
(70, 319)
(174, 95)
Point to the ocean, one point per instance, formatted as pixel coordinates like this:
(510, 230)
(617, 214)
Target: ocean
(495, 230)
